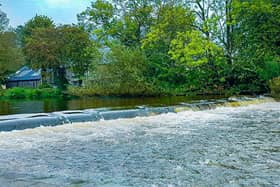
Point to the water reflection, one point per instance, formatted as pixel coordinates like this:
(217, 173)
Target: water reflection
(51, 105)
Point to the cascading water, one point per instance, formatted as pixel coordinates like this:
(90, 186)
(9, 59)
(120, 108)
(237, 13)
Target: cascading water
(25, 121)
(226, 146)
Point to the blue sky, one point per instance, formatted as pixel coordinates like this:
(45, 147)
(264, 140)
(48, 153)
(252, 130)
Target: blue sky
(61, 11)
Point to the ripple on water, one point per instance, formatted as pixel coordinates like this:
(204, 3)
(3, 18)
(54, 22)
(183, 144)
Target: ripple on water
(221, 147)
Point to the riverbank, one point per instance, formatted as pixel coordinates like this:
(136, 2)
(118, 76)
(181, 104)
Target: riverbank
(30, 93)
(73, 91)
(154, 92)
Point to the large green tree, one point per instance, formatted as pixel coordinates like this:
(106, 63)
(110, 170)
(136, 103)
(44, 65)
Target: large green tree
(55, 49)
(157, 42)
(123, 74)
(43, 50)
(37, 22)
(257, 39)
(125, 21)
(11, 57)
(77, 49)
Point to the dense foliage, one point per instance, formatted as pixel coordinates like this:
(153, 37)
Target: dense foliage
(28, 93)
(275, 87)
(56, 48)
(183, 47)
(152, 47)
(11, 57)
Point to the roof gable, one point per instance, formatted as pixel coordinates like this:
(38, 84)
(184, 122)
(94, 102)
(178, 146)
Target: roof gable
(25, 74)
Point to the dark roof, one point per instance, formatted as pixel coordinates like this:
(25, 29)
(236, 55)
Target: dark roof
(25, 74)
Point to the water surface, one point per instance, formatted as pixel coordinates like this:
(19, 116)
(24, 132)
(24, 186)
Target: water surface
(16, 106)
(222, 147)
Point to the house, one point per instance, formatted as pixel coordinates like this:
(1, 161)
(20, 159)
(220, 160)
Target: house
(25, 77)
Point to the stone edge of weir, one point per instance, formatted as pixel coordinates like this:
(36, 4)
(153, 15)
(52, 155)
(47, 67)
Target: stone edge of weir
(27, 121)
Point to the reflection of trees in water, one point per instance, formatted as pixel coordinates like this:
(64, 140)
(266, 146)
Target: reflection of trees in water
(5, 107)
(51, 105)
(26, 106)
(38, 106)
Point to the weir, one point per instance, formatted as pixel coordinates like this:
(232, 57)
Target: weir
(26, 121)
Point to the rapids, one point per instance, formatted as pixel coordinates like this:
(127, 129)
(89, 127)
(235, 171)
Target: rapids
(226, 146)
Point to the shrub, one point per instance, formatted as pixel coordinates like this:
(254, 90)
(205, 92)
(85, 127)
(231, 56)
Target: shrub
(123, 74)
(15, 93)
(29, 93)
(274, 85)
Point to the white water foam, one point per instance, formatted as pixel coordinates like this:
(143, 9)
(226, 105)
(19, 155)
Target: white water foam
(107, 130)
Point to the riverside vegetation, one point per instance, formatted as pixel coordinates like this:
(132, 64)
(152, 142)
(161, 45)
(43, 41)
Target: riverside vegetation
(275, 87)
(28, 93)
(151, 47)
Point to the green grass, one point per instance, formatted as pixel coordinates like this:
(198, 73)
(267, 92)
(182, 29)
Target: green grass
(29, 93)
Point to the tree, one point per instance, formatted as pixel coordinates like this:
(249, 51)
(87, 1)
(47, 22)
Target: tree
(19, 34)
(137, 18)
(157, 42)
(125, 21)
(191, 48)
(257, 39)
(77, 49)
(58, 49)
(11, 57)
(4, 21)
(43, 50)
(39, 21)
(99, 15)
(123, 74)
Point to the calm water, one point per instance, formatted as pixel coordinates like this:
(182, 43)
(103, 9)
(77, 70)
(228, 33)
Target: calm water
(221, 147)
(51, 105)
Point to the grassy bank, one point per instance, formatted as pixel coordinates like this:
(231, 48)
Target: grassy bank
(143, 92)
(29, 93)
(42, 93)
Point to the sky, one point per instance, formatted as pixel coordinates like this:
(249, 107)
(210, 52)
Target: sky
(61, 11)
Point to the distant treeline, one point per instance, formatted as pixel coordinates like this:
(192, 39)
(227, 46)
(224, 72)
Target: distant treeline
(152, 47)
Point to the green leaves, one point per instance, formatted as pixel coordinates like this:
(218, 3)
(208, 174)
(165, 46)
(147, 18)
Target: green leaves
(11, 57)
(123, 74)
(166, 27)
(258, 38)
(39, 21)
(76, 49)
(56, 48)
(192, 49)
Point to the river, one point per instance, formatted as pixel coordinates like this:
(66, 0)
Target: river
(227, 146)
(16, 106)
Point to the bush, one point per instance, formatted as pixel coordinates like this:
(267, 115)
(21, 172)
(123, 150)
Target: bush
(15, 93)
(123, 74)
(29, 93)
(274, 85)
(102, 91)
